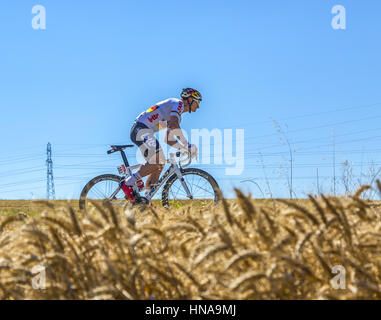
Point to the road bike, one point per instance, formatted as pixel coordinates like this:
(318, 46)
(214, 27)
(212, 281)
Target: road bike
(180, 185)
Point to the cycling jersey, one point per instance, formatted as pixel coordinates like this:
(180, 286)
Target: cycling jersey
(157, 116)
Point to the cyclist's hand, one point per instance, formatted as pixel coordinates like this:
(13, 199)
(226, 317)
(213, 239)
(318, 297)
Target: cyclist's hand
(193, 150)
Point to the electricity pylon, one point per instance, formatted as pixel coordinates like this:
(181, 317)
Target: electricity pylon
(50, 193)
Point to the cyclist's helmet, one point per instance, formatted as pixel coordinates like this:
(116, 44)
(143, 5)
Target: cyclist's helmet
(191, 93)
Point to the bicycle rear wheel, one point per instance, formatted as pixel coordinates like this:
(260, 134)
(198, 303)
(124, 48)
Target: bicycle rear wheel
(100, 188)
(202, 186)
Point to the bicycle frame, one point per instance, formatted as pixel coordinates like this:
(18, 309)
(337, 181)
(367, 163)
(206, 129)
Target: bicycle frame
(173, 169)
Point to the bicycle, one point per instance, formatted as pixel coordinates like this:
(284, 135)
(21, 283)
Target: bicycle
(175, 179)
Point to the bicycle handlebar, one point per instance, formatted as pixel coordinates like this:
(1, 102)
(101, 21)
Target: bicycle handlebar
(178, 154)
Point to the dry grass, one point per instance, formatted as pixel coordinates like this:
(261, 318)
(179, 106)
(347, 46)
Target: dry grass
(239, 250)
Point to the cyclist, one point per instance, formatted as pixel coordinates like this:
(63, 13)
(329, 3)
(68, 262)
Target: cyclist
(164, 114)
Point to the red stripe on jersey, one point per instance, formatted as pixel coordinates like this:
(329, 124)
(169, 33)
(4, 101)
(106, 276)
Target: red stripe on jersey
(152, 109)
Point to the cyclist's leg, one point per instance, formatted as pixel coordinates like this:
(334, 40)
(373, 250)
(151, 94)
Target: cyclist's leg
(148, 145)
(158, 161)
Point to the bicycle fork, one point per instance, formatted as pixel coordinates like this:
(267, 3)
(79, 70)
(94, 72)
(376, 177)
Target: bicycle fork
(182, 181)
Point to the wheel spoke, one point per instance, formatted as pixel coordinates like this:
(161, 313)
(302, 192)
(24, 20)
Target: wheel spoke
(106, 188)
(199, 187)
(98, 192)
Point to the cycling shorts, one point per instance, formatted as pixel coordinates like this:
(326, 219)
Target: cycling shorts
(145, 139)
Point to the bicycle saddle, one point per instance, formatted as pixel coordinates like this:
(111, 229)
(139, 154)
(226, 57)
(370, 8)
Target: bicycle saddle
(119, 148)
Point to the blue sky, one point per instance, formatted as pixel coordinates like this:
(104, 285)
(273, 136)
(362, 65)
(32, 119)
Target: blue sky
(80, 83)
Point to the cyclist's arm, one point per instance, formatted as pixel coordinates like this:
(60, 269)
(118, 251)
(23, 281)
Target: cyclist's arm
(174, 131)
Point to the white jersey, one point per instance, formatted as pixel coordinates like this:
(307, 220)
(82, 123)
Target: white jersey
(157, 116)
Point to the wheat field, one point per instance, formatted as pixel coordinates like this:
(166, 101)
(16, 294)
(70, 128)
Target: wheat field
(240, 249)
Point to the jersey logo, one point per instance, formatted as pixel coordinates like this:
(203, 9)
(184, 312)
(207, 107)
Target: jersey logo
(153, 118)
(180, 106)
(152, 109)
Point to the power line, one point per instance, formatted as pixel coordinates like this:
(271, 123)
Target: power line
(302, 165)
(20, 172)
(319, 127)
(20, 159)
(37, 188)
(26, 183)
(312, 114)
(319, 146)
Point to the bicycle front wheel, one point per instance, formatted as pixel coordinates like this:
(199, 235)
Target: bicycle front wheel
(203, 189)
(100, 188)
